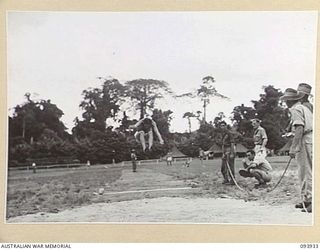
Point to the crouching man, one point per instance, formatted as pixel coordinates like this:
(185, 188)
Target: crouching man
(258, 169)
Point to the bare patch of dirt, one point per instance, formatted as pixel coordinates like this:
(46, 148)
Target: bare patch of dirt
(157, 193)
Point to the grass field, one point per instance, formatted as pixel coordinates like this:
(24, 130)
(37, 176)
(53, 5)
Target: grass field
(55, 190)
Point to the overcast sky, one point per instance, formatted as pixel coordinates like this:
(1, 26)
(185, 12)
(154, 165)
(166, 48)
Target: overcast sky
(59, 54)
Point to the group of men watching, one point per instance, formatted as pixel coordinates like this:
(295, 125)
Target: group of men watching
(255, 164)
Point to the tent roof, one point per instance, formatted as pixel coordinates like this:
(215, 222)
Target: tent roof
(240, 148)
(215, 148)
(176, 152)
(287, 146)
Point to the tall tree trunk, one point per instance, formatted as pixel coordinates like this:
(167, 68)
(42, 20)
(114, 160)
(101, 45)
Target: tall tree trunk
(204, 110)
(23, 128)
(142, 110)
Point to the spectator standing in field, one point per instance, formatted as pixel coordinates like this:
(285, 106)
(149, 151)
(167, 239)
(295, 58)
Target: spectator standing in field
(301, 148)
(260, 171)
(260, 139)
(134, 160)
(169, 159)
(228, 155)
(144, 127)
(188, 162)
(201, 156)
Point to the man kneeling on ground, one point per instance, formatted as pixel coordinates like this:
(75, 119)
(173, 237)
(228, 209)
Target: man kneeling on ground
(259, 169)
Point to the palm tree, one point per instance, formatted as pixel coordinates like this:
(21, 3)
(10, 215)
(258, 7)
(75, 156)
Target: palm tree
(205, 93)
(189, 115)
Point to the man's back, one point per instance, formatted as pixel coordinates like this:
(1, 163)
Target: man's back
(301, 115)
(262, 164)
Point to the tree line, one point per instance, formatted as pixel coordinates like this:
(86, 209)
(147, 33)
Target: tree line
(36, 131)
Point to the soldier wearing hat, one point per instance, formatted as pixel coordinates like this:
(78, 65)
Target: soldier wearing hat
(301, 148)
(306, 90)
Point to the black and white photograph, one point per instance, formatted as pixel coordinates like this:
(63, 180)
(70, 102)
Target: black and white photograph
(178, 117)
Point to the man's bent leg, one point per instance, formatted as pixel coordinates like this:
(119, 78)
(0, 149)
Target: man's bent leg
(224, 171)
(256, 173)
(142, 140)
(150, 138)
(137, 136)
(263, 175)
(231, 165)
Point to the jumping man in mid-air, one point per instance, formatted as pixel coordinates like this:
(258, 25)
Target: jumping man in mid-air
(144, 127)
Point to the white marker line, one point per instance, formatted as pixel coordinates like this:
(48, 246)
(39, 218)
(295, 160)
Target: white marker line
(149, 190)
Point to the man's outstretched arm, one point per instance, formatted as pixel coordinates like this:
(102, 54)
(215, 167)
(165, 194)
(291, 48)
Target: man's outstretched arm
(137, 124)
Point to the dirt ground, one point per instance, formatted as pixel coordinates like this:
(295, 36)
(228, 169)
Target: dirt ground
(157, 193)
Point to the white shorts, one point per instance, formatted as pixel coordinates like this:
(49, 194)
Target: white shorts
(261, 153)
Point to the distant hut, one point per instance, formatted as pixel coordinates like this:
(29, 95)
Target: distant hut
(175, 153)
(241, 150)
(215, 150)
(286, 148)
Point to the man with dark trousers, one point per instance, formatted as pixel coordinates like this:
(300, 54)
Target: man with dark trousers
(228, 155)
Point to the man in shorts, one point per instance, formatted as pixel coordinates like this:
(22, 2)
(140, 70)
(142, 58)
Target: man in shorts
(145, 127)
(260, 139)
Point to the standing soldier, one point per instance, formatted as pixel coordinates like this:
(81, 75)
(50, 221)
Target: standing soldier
(134, 160)
(228, 155)
(301, 148)
(201, 156)
(260, 139)
(169, 159)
